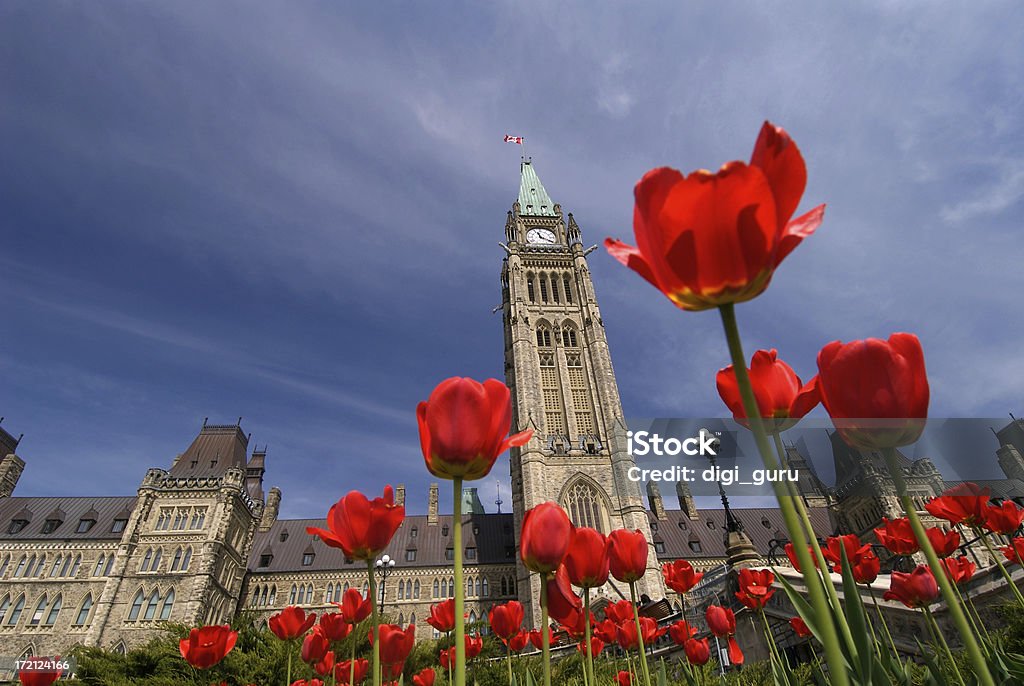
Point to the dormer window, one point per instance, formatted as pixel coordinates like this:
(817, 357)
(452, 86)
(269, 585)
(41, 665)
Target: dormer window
(17, 525)
(118, 526)
(413, 532)
(444, 530)
(265, 559)
(284, 535)
(307, 559)
(50, 525)
(84, 525)
(659, 547)
(695, 546)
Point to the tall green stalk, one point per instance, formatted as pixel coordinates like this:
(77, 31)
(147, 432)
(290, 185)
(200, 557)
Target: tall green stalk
(933, 627)
(460, 626)
(545, 638)
(376, 622)
(352, 659)
(822, 564)
(586, 635)
(881, 620)
(816, 592)
(639, 634)
(939, 572)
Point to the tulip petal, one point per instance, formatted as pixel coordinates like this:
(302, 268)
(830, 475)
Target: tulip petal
(631, 257)
(806, 399)
(778, 157)
(797, 230)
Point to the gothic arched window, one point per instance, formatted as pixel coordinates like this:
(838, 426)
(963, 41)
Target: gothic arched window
(51, 616)
(437, 593)
(83, 612)
(554, 288)
(531, 292)
(165, 611)
(154, 599)
(99, 566)
(133, 614)
(16, 612)
(567, 288)
(416, 593)
(583, 504)
(543, 288)
(188, 558)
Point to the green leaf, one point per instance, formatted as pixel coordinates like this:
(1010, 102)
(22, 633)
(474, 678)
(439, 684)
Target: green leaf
(857, 621)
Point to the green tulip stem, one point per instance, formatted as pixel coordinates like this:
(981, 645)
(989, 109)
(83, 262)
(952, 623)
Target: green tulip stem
(999, 563)
(933, 627)
(460, 627)
(639, 634)
(508, 659)
(545, 638)
(881, 620)
(977, 615)
(586, 635)
(289, 666)
(825, 615)
(352, 660)
(772, 648)
(939, 572)
(970, 617)
(376, 622)
(822, 564)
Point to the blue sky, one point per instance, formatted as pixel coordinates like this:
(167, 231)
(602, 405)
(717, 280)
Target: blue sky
(290, 212)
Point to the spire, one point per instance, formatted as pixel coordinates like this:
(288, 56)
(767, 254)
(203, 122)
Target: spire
(534, 200)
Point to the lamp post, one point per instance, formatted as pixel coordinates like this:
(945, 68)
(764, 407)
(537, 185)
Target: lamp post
(385, 565)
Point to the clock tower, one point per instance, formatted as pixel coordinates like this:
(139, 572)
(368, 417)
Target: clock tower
(559, 369)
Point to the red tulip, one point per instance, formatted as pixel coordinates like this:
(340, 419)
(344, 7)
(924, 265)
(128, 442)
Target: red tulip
(425, 677)
(596, 646)
(707, 239)
(800, 627)
(545, 538)
(586, 561)
(619, 612)
(681, 632)
(326, 665)
(442, 616)
(721, 621)
(627, 554)
(679, 576)
(623, 678)
(782, 398)
(833, 550)
(395, 643)
(33, 673)
(506, 620)
(879, 380)
(354, 607)
(305, 682)
(959, 570)
(626, 633)
(1015, 551)
(314, 647)
(291, 622)
(342, 670)
(361, 527)
(794, 560)
(697, 651)
(944, 543)
(866, 568)
(1003, 519)
(446, 658)
(536, 639)
(207, 645)
(606, 630)
(464, 426)
(755, 587)
(519, 641)
(917, 589)
(333, 626)
(474, 644)
(564, 606)
(964, 504)
(897, 536)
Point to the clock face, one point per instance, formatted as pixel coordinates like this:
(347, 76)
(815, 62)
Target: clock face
(542, 236)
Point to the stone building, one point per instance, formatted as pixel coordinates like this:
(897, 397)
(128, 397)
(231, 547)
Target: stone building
(202, 541)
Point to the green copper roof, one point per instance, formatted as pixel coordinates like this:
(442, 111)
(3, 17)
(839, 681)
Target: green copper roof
(533, 198)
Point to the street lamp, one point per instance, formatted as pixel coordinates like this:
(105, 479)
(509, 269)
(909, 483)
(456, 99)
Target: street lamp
(385, 565)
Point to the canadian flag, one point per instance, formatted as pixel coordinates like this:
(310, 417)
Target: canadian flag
(514, 139)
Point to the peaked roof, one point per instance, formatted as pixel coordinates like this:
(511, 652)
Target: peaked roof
(216, 448)
(534, 200)
(102, 510)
